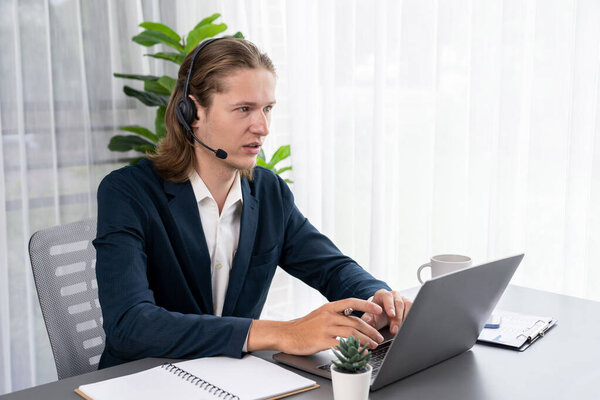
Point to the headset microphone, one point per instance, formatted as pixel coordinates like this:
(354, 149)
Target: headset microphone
(185, 110)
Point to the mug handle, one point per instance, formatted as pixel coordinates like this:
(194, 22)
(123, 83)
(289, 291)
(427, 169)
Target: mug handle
(419, 271)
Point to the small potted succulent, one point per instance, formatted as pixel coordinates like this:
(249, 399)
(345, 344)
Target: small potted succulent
(351, 373)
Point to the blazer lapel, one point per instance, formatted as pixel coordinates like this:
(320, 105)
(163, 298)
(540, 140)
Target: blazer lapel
(241, 260)
(196, 265)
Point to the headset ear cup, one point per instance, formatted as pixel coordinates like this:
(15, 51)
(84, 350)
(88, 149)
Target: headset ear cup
(186, 112)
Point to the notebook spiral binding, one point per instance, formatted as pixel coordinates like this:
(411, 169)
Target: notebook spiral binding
(201, 383)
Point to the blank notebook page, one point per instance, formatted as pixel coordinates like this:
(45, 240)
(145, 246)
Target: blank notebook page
(247, 379)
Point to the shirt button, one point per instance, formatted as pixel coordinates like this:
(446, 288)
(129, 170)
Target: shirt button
(219, 266)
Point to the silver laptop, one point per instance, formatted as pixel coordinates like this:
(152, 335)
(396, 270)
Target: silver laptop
(445, 320)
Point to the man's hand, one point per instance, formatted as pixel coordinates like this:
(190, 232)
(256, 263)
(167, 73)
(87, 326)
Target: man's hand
(395, 306)
(316, 331)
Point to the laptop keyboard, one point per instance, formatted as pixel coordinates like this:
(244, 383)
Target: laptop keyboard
(377, 357)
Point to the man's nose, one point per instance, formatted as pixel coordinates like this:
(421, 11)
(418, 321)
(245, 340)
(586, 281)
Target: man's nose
(260, 124)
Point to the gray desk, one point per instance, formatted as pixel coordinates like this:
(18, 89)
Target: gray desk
(563, 365)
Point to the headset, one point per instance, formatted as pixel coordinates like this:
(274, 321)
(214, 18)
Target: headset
(186, 109)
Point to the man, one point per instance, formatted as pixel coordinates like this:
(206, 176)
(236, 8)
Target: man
(188, 242)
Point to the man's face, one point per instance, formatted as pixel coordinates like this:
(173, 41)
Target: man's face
(239, 118)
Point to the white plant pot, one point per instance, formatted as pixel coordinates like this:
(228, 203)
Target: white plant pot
(351, 386)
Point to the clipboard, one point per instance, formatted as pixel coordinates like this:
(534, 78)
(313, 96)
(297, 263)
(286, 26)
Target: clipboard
(517, 331)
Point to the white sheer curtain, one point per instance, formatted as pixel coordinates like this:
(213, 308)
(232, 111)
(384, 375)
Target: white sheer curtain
(417, 127)
(59, 106)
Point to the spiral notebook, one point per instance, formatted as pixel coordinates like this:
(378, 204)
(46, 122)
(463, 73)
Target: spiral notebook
(204, 378)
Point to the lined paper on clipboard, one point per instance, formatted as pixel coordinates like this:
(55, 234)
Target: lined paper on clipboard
(517, 331)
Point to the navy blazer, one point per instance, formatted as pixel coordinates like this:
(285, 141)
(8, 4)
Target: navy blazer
(154, 269)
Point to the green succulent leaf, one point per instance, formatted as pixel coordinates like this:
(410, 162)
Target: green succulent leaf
(159, 122)
(177, 58)
(338, 355)
(365, 347)
(202, 32)
(129, 142)
(150, 38)
(161, 28)
(281, 154)
(338, 364)
(140, 130)
(138, 77)
(149, 99)
(350, 355)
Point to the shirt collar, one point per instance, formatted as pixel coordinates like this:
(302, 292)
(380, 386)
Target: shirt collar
(201, 192)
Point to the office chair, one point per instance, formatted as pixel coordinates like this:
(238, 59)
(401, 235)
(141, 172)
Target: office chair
(63, 260)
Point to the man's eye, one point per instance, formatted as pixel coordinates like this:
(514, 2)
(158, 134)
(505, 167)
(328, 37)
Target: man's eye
(244, 109)
(268, 109)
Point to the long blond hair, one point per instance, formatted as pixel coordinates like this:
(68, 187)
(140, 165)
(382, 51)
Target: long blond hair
(175, 157)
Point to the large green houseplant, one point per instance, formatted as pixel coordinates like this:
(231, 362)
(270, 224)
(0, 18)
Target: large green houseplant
(158, 89)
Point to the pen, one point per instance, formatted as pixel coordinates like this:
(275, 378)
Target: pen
(347, 311)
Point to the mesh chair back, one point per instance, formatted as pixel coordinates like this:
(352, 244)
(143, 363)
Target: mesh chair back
(64, 269)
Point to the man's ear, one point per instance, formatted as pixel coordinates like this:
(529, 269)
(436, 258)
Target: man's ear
(200, 112)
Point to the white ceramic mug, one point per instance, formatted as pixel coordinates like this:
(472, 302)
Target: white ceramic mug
(444, 264)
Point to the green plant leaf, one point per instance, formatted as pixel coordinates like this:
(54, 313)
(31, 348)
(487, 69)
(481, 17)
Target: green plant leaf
(261, 154)
(289, 181)
(281, 154)
(150, 38)
(237, 35)
(282, 170)
(338, 355)
(162, 28)
(129, 142)
(145, 148)
(156, 87)
(337, 364)
(365, 347)
(164, 85)
(177, 58)
(159, 122)
(149, 99)
(140, 130)
(207, 20)
(138, 77)
(168, 83)
(202, 32)
(261, 163)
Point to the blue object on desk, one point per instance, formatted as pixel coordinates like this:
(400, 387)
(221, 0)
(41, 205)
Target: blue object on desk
(493, 322)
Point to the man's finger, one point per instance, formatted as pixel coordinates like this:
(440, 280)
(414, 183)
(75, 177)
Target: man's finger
(401, 304)
(346, 331)
(359, 325)
(356, 305)
(388, 304)
(400, 307)
(407, 306)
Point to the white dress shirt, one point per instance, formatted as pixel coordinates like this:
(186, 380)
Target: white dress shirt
(222, 233)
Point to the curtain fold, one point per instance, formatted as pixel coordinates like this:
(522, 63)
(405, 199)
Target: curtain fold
(417, 127)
